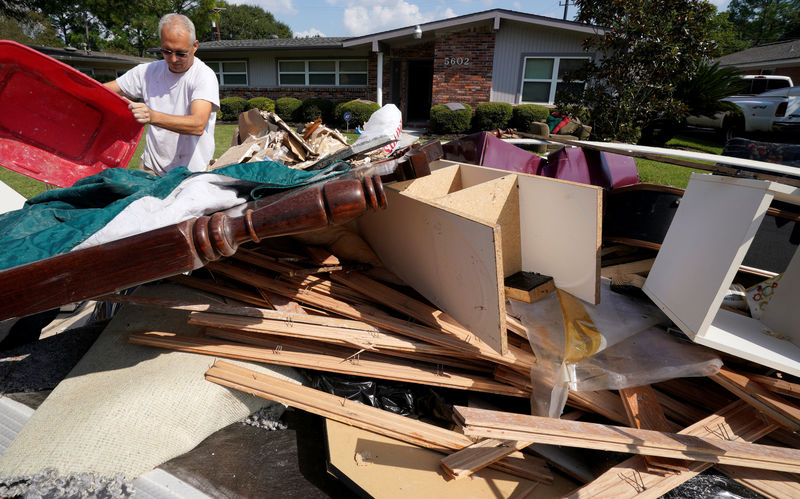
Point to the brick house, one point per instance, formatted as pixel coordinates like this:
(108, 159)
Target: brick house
(496, 55)
(780, 58)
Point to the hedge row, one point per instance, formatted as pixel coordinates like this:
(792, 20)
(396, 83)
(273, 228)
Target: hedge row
(488, 116)
(291, 109)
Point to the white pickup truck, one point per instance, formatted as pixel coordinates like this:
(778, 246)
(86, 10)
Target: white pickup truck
(777, 108)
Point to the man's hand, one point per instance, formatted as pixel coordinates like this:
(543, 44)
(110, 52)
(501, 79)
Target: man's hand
(140, 112)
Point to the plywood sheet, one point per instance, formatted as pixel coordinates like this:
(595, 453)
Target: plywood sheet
(451, 259)
(782, 315)
(386, 468)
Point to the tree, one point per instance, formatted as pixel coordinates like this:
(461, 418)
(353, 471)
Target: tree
(762, 21)
(32, 29)
(725, 36)
(247, 22)
(647, 46)
(132, 27)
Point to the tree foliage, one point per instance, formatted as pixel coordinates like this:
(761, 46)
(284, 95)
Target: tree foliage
(32, 29)
(764, 21)
(248, 22)
(648, 45)
(725, 36)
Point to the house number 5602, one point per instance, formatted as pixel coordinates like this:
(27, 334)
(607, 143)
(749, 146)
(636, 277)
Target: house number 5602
(456, 61)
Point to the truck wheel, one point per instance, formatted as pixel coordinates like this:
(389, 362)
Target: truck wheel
(732, 128)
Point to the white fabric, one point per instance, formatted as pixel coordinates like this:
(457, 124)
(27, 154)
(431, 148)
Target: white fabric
(196, 196)
(173, 93)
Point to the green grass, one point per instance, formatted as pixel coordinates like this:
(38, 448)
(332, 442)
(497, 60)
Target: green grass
(654, 172)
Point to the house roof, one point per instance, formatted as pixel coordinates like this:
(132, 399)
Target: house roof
(276, 43)
(779, 53)
(494, 15)
(77, 55)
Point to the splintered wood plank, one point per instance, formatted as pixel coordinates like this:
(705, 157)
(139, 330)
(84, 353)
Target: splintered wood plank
(644, 412)
(771, 404)
(479, 455)
(362, 416)
(454, 336)
(452, 260)
(771, 484)
(495, 424)
(779, 386)
(358, 364)
(735, 422)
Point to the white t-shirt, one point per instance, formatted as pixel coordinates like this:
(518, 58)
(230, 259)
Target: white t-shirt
(173, 93)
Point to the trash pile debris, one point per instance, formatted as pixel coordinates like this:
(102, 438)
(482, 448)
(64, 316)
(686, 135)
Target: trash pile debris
(538, 301)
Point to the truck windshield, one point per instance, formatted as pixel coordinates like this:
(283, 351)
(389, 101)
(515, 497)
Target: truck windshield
(758, 85)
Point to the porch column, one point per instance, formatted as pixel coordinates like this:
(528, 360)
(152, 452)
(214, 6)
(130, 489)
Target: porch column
(379, 92)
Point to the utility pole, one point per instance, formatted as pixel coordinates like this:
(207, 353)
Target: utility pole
(566, 5)
(216, 11)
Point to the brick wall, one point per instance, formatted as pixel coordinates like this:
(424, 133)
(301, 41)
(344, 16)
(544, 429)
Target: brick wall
(455, 80)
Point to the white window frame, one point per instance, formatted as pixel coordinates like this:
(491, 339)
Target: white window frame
(221, 72)
(337, 72)
(554, 80)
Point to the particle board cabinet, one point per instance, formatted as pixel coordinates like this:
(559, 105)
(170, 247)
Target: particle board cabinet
(704, 246)
(456, 234)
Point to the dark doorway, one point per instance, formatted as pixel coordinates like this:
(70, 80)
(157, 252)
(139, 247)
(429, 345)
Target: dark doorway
(397, 83)
(419, 80)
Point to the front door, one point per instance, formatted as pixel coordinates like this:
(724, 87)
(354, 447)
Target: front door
(419, 86)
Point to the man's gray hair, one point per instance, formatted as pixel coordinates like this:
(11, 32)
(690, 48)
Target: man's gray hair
(179, 19)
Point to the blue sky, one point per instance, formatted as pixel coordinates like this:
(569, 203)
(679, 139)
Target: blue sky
(360, 17)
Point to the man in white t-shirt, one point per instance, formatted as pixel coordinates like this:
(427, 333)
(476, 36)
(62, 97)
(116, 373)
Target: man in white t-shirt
(180, 97)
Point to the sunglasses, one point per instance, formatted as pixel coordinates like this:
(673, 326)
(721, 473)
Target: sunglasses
(166, 52)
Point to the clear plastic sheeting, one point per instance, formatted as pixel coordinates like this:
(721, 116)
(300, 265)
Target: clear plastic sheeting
(612, 345)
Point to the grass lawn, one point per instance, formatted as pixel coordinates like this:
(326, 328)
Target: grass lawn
(649, 171)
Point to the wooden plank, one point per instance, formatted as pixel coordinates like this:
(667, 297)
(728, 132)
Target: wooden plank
(528, 287)
(360, 415)
(453, 260)
(630, 478)
(455, 337)
(637, 267)
(644, 412)
(479, 455)
(494, 424)
(780, 386)
(771, 484)
(770, 404)
(359, 364)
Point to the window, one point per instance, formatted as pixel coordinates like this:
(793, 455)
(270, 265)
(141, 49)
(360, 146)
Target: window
(230, 72)
(328, 73)
(542, 78)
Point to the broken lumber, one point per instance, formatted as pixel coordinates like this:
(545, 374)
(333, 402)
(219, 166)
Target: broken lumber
(358, 364)
(479, 455)
(362, 416)
(770, 404)
(495, 424)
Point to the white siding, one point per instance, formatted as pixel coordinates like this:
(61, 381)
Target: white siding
(262, 66)
(515, 41)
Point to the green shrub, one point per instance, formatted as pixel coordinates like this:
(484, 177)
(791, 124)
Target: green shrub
(286, 108)
(262, 103)
(232, 107)
(492, 115)
(313, 108)
(523, 115)
(360, 111)
(443, 120)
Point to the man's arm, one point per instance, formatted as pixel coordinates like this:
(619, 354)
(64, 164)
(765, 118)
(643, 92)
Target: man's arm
(192, 124)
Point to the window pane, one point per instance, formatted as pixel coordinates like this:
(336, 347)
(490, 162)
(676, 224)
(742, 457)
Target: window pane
(538, 69)
(535, 92)
(352, 79)
(235, 79)
(322, 66)
(568, 66)
(292, 66)
(234, 67)
(322, 79)
(293, 79)
(570, 88)
(213, 65)
(354, 66)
